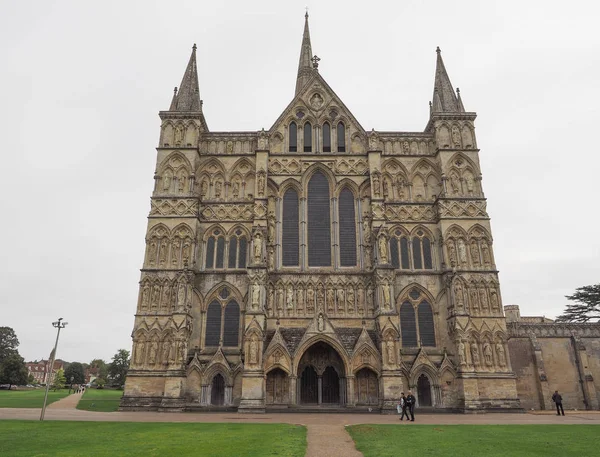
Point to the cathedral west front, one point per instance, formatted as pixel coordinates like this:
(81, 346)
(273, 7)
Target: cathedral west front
(318, 265)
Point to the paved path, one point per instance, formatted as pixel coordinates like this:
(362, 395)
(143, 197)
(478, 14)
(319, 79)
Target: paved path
(329, 441)
(68, 402)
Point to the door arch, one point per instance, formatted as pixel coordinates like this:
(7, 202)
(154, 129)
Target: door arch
(424, 391)
(217, 390)
(322, 379)
(367, 387)
(277, 387)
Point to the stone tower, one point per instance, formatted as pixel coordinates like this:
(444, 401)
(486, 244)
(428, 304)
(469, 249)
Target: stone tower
(317, 264)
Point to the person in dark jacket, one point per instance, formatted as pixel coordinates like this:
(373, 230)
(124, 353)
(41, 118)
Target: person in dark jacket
(404, 407)
(410, 405)
(556, 398)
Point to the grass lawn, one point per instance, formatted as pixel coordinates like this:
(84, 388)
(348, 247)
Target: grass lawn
(100, 400)
(476, 440)
(138, 439)
(29, 398)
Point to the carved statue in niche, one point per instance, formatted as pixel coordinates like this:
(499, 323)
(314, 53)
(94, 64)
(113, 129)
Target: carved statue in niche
(485, 306)
(458, 297)
(376, 184)
(164, 304)
(181, 182)
(270, 299)
(454, 183)
(152, 253)
(341, 299)
(162, 256)
(255, 296)
(330, 298)
(186, 253)
(271, 227)
(386, 188)
(173, 352)
(474, 300)
(152, 353)
(368, 255)
(360, 298)
(387, 301)
(235, 191)
(257, 252)
(461, 354)
(139, 352)
(462, 252)
(452, 253)
(405, 147)
(400, 186)
(487, 355)
(230, 147)
(166, 348)
(253, 350)
(181, 352)
(181, 295)
(501, 354)
(390, 350)
(350, 299)
(279, 297)
(175, 252)
(218, 188)
(494, 300)
(382, 247)
(178, 134)
(367, 230)
(321, 323)
(155, 297)
(485, 250)
(370, 305)
(203, 188)
(470, 185)
(456, 136)
(261, 183)
(289, 298)
(310, 298)
(145, 298)
(475, 355)
(300, 299)
(320, 298)
(474, 253)
(263, 140)
(373, 140)
(271, 257)
(167, 181)
(316, 101)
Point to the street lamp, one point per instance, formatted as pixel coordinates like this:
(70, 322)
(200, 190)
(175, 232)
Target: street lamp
(58, 324)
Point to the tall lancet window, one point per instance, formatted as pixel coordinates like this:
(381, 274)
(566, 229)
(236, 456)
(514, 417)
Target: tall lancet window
(341, 137)
(293, 137)
(319, 222)
(347, 219)
(308, 137)
(326, 137)
(290, 243)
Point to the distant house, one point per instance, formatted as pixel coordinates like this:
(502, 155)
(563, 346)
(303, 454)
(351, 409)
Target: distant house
(41, 372)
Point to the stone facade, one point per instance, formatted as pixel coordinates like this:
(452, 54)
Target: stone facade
(405, 296)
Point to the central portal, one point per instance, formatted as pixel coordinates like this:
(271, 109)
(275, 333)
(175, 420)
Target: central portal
(322, 379)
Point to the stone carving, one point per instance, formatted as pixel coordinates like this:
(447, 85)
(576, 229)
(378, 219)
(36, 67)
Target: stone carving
(235, 191)
(455, 136)
(382, 247)
(316, 101)
(390, 351)
(330, 298)
(487, 355)
(218, 189)
(341, 299)
(139, 353)
(462, 252)
(167, 181)
(461, 354)
(271, 258)
(253, 350)
(485, 250)
(178, 134)
(475, 355)
(289, 298)
(271, 228)
(501, 355)
(387, 301)
(152, 353)
(204, 188)
(414, 213)
(321, 323)
(261, 181)
(310, 299)
(474, 253)
(350, 299)
(458, 297)
(263, 140)
(451, 253)
(373, 140)
(483, 299)
(451, 209)
(166, 349)
(255, 296)
(376, 184)
(474, 300)
(494, 301)
(257, 254)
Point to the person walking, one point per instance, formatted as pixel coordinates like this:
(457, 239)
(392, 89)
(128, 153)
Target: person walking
(557, 398)
(410, 402)
(403, 406)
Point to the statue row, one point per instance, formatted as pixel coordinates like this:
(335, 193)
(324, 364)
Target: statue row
(478, 254)
(151, 354)
(486, 356)
(303, 299)
(164, 297)
(475, 300)
(175, 182)
(455, 137)
(398, 188)
(169, 253)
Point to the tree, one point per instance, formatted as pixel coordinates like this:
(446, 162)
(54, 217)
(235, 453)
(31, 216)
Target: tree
(59, 380)
(8, 342)
(99, 368)
(117, 369)
(586, 307)
(75, 371)
(13, 371)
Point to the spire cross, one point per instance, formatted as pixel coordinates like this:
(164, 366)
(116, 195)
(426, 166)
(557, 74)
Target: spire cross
(306, 15)
(315, 61)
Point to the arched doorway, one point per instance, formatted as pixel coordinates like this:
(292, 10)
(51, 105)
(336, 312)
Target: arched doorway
(322, 379)
(424, 391)
(277, 387)
(217, 391)
(367, 387)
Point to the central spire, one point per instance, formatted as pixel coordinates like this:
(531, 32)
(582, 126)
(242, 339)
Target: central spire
(305, 65)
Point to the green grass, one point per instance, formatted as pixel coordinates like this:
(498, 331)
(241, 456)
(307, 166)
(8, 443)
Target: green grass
(105, 400)
(137, 439)
(476, 440)
(29, 398)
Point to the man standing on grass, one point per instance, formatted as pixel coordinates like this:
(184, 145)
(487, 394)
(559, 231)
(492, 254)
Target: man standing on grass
(410, 405)
(557, 398)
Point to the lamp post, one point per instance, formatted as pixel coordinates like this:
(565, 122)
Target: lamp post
(58, 324)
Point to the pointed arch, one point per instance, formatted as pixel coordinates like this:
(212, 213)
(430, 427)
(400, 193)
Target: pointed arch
(319, 219)
(341, 136)
(347, 227)
(290, 227)
(293, 136)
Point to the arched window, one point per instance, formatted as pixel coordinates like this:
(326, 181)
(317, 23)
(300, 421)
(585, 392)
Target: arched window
(347, 227)
(408, 325)
(404, 253)
(394, 253)
(399, 251)
(341, 137)
(213, 324)
(215, 257)
(426, 327)
(237, 250)
(326, 137)
(417, 258)
(293, 137)
(308, 137)
(428, 264)
(290, 242)
(231, 328)
(421, 247)
(319, 222)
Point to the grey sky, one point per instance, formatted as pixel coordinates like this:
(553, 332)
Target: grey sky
(82, 84)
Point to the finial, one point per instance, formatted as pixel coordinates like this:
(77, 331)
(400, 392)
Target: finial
(315, 61)
(175, 90)
(430, 104)
(458, 91)
(438, 50)
(306, 14)
(194, 47)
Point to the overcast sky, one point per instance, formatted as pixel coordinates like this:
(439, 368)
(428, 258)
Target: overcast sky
(82, 83)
